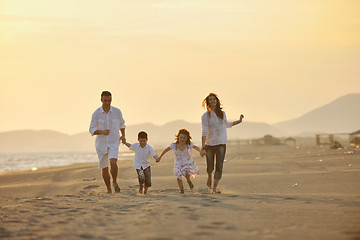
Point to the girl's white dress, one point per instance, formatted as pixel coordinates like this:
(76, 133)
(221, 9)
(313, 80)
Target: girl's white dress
(184, 162)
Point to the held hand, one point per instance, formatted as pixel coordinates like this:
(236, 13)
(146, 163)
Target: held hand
(202, 153)
(158, 160)
(106, 132)
(123, 139)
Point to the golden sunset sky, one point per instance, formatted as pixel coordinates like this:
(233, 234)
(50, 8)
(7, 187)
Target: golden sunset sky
(272, 60)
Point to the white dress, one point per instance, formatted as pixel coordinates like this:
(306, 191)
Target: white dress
(184, 162)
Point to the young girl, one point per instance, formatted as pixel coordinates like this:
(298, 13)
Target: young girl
(184, 164)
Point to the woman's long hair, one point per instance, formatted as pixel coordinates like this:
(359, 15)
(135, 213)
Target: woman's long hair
(218, 109)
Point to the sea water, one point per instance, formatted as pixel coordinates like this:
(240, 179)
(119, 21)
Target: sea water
(35, 160)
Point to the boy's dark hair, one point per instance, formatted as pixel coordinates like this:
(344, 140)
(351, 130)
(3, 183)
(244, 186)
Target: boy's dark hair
(106, 94)
(142, 134)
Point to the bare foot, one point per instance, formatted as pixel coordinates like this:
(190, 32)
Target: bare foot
(191, 185)
(216, 190)
(116, 187)
(209, 183)
(182, 190)
(140, 190)
(145, 190)
(109, 191)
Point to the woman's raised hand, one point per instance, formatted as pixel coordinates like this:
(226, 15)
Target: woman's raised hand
(241, 117)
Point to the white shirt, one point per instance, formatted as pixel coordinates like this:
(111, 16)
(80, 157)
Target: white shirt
(142, 155)
(214, 128)
(113, 120)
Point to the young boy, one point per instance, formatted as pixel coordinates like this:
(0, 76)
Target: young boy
(143, 152)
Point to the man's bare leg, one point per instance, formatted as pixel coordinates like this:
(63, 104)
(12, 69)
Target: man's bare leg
(106, 176)
(114, 172)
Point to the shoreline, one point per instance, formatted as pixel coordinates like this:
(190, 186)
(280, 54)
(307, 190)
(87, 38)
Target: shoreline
(38, 160)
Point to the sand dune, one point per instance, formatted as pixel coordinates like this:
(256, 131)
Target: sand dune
(276, 192)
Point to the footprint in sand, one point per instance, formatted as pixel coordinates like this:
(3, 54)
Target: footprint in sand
(206, 205)
(233, 196)
(89, 179)
(194, 217)
(4, 233)
(206, 227)
(188, 209)
(169, 191)
(230, 228)
(218, 223)
(91, 187)
(203, 233)
(87, 236)
(184, 207)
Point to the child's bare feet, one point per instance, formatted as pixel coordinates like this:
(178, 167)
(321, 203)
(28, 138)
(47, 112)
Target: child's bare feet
(145, 190)
(109, 191)
(191, 185)
(140, 190)
(182, 190)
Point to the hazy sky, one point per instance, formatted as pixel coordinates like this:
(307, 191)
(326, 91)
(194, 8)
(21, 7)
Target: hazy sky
(271, 60)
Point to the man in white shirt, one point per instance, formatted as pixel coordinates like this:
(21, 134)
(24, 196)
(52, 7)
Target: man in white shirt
(106, 122)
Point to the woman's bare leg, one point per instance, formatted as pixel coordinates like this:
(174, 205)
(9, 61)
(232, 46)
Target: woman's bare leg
(209, 181)
(216, 182)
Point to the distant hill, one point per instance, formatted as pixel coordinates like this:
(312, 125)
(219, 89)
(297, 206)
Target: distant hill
(340, 116)
(159, 136)
(165, 134)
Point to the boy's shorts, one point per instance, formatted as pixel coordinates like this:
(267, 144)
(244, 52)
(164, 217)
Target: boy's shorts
(144, 176)
(104, 157)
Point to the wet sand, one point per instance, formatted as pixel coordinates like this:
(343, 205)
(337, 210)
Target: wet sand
(268, 192)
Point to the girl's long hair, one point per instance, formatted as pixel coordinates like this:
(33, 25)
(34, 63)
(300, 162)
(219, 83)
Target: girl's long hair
(185, 132)
(218, 109)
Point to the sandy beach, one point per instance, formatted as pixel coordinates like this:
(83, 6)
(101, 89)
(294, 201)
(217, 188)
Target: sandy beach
(268, 192)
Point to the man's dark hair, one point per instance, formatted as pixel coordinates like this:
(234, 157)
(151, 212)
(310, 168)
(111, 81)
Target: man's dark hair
(142, 134)
(106, 94)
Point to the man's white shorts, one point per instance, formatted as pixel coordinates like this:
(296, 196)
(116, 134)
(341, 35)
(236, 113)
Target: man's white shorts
(104, 157)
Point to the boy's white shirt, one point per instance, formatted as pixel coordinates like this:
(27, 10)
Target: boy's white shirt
(142, 155)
